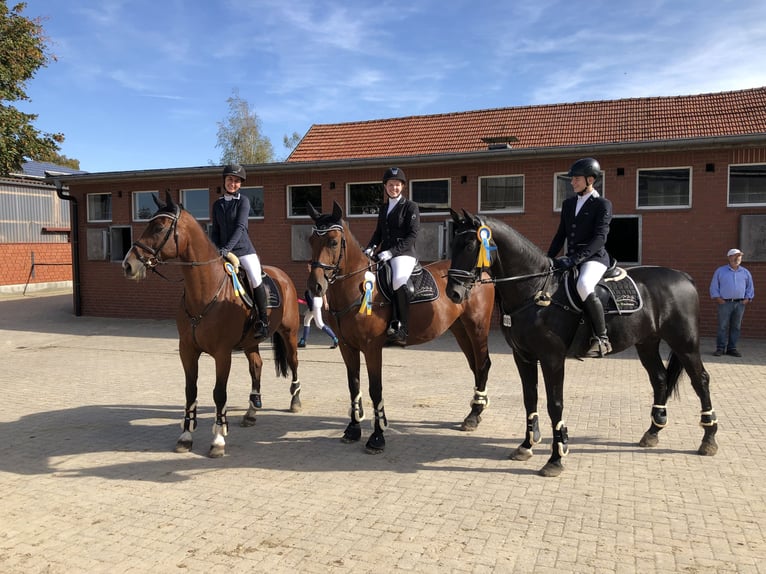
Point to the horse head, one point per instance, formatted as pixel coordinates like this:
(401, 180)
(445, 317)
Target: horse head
(154, 246)
(328, 244)
(465, 268)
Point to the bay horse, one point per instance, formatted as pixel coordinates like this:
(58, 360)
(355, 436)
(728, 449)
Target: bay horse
(339, 267)
(213, 319)
(542, 326)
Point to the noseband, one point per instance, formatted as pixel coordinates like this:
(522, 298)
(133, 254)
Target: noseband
(466, 279)
(154, 252)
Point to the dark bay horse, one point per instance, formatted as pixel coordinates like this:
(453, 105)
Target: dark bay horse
(338, 267)
(541, 326)
(212, 319)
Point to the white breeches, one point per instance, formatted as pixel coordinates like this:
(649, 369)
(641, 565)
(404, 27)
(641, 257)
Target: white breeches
(252, 266)
(401, 269)
(315, 313)
(591, 273)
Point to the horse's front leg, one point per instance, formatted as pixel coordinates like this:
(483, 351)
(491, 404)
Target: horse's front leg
(351, 358)
(255, 366)
(190, 361)
(553, 375)
(374, 359)
(476, 351)
(528, 373)
(221, 424)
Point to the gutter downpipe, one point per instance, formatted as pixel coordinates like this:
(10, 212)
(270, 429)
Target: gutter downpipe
(73, 215)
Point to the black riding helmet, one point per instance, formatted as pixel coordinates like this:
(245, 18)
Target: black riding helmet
(586, 167)
(236, 170)
(394, 173)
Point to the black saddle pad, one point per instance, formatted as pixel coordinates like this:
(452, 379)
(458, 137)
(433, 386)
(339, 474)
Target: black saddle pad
(273, 293)
(618, 293)
(421, 284)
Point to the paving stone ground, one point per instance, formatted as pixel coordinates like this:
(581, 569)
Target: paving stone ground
(89, 482)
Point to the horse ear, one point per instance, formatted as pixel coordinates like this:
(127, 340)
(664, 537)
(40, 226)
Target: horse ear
(472, 218)
(157, 201)
(337, 211)
(313, 213)
(169, 199)
(455, 216)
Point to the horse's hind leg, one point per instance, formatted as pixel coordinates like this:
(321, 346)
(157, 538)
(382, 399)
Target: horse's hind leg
(190, 362)
(649, 355)
(255, 366)
(353, 431)
(700, 380)
(477, 352)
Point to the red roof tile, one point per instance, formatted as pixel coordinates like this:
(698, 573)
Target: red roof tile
(584, 123)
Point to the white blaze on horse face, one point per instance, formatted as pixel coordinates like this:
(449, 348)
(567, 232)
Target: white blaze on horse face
(133, 268)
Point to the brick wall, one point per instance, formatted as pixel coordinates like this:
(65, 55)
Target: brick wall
(53, 263)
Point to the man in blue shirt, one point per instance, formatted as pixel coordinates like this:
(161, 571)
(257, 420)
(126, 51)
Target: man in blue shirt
(732, 288)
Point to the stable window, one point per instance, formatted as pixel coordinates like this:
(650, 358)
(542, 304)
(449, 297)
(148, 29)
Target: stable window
(99, 207)
(747, 184)
(364, 198)
(143, 205)
(255, 195)
(120, 242)
(504, 193)
(665, 187)
(431, 195)
(562, 188)
(298, 197)
(196, 202)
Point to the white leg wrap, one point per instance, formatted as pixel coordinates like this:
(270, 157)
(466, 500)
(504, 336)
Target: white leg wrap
(480, 398)
(380, 417)
(353, 412)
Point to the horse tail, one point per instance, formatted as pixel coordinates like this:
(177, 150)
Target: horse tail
(280, 353)
(675, 369)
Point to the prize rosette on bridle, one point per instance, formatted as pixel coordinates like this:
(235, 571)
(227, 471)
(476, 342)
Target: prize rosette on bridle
(484, 260)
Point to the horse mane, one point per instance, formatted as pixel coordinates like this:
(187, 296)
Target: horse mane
(527, 248)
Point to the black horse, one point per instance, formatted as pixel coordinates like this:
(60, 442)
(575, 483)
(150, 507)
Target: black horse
(543, 324)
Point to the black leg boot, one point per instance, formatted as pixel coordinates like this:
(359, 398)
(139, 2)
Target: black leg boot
(402, 298)
(600, 344)
(261, 326)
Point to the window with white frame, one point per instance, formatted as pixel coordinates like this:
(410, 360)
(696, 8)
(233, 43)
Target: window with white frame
(501, 193)
(143, 205)
(563, 188)
(364, 198)
(255, 195)
(196, 202)
(431, 195)
(99, 207)
(664, 187)
(298, 197)
(747, 184)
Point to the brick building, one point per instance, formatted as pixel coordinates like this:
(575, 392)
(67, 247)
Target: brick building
(34, 231)
(686, 176)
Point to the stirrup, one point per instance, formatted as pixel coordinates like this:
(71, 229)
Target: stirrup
(600, 346)
(398, 337)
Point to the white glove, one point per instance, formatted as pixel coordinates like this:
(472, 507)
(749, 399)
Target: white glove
(368, 252)
(384, 256)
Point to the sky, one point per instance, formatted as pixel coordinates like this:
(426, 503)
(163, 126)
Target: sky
(144, 84)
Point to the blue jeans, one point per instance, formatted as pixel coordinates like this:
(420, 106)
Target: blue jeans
(729, 323)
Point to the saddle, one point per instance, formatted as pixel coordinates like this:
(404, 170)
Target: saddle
(616, 290)
(421, 284)
(242, 286)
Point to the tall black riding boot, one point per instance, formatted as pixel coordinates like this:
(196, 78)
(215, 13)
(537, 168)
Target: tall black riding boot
(600, 344)
(261, 327)
(402, 305)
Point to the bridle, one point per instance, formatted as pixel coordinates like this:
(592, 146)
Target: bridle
(332, 272)
(153, 259)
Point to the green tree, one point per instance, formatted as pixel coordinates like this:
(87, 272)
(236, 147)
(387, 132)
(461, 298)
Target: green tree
(239, 136)
(23, 50)
(58, 159)
(291, 141)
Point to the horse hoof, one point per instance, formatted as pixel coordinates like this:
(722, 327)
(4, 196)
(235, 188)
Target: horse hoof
(296, 406)
(521, 453)
(471, 423)
(375, 444)
(708, 449)
(247, 421)
(649, 440)
(183, 446)
(551, 469)
(352, 433)
(216, 451)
